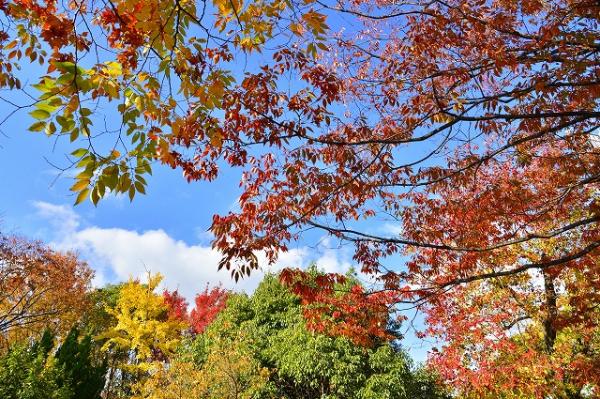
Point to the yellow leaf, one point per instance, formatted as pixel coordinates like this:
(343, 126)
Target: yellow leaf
(80, 185)
(297, 29)
(82, 196)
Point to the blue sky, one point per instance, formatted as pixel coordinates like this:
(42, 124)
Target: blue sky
(174, 214)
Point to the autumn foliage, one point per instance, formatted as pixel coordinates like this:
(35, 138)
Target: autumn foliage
(469, 126)
(208, 304)
(176, 305)
(338, 306)
(39, 288)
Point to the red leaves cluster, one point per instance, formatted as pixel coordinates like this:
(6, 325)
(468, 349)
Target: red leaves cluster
(336, 306)
(124, 32)
(56, 29)
(511, 317)
(208, 304)
(176, 305)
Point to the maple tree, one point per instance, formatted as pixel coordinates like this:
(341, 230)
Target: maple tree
(532, 333)
(176, 304)
(439, 89)
(39, 288)
(208, 305)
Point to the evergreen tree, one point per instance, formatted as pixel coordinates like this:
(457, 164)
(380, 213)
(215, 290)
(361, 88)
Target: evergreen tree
(33, 371)
(75, 356)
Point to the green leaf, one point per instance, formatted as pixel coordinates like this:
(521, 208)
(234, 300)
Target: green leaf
(95, 196)
(67, 124)
(65, 79)
(40, 114)
(62, 120)
(50, 129)
(111, 176)
(101, 187)
(140, 187)
(55, 102)
(140, 179)
(66, 66)
(79, 152)
(86, 174)
(131, 193)
(46, 106)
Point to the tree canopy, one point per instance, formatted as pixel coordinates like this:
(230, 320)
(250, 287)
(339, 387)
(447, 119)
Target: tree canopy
(39, 288)
(260, 346)
(128, 340)
(39, 370)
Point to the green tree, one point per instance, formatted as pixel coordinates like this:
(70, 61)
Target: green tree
(97, 318)
(28, 371)
(76, 358)
(304, 364)
(33, 371)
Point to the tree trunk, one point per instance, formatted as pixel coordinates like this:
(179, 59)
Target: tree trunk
(551, 311)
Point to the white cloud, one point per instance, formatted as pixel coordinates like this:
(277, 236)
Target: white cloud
(61, 217)
(332, 258)
(185, 267)
(117, 254)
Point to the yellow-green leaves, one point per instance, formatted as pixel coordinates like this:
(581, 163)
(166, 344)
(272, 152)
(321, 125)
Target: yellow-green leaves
(314, 22)
(63, 109)
(44, 108)
(111, 174)
(82, 195)
(37, 127)
(40, 114)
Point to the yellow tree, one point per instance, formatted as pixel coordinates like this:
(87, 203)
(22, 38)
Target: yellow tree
(143, 329)
(231, 372)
